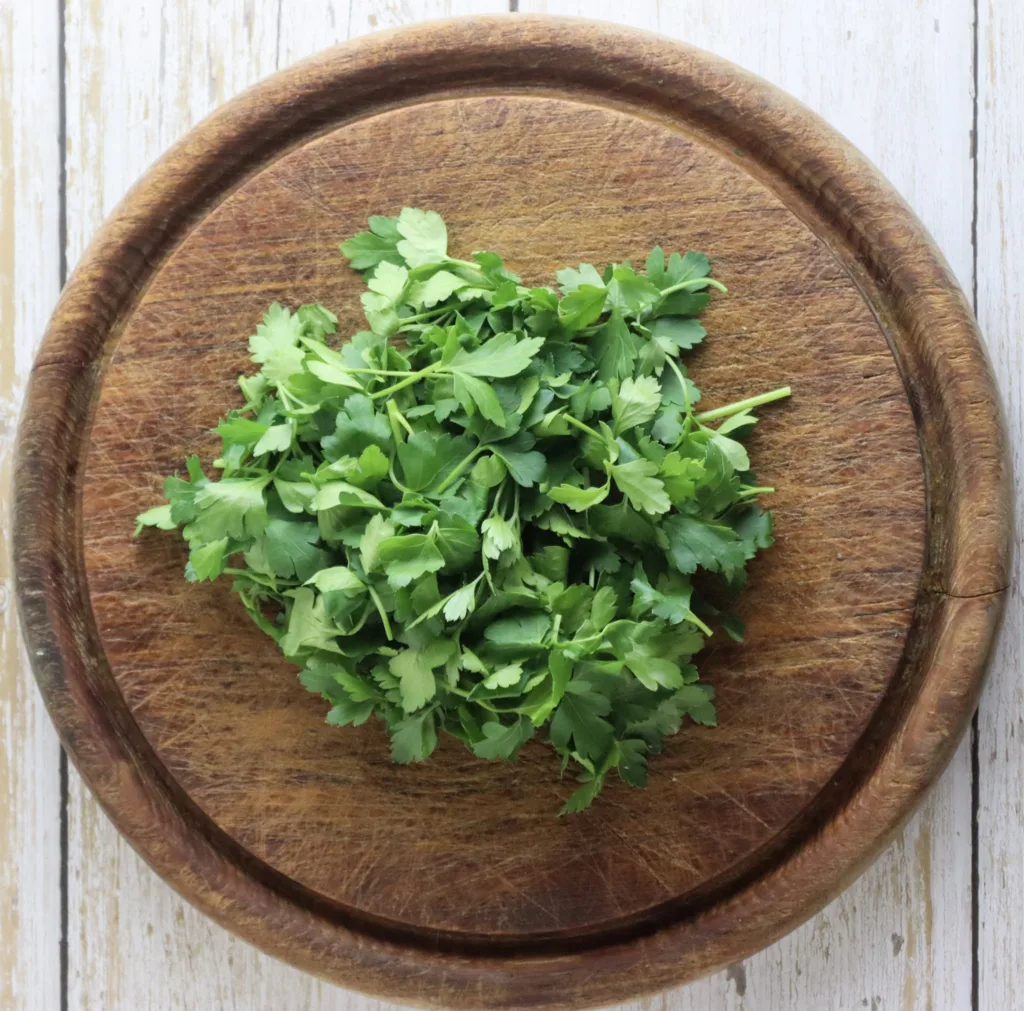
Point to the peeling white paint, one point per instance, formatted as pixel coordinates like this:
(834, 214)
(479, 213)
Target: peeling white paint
(29, 279)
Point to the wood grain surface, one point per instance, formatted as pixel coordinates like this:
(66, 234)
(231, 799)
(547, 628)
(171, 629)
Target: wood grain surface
(1000, 754)
(848, 239)
(127, 930)
(800, 693)
(30, 858)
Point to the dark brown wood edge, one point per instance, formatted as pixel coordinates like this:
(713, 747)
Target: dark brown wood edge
(916, 729)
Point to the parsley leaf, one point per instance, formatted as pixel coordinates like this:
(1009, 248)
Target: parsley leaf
(415, 675)
(645, 491)
(579, 720)
(501, 740)
(630, 292)
(635, 402)
(275, 345)
(615, 347)
(409, 556)
(579, 499)
(414, 739)
(424, 237)
(428, 456)
(358, 425)
(502, 356)
(365, 250)
(570, 278)
(525, 465)
(581, 306)
(695, 543)
(308, 626)
(232, 507)
(290, 548)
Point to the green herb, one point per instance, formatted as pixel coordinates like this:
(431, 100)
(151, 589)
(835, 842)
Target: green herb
(495, 513)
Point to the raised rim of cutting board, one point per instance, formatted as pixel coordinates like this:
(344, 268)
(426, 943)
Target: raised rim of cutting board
(825, 181)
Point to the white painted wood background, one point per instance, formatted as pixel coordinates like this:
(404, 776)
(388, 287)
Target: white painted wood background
(92, 92)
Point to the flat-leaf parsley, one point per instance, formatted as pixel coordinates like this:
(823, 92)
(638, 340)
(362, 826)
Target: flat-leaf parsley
(487, 514)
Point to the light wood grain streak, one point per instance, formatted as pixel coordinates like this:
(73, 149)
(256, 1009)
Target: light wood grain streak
(900, 937)
(1001, 313)
(29, 279)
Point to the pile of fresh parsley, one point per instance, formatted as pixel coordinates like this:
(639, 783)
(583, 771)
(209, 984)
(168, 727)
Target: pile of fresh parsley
(484, 515)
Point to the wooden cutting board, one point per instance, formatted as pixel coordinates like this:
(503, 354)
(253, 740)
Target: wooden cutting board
(452, 883)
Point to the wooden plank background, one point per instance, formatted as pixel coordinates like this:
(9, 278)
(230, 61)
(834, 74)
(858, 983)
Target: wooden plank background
(30, 279)
(92, 92)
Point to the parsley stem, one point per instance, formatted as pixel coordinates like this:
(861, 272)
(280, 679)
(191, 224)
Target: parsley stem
(394, 480)
(380, 610)
(429, 314)
(483, 703)
(271, 582)
(456, 471)
(289, 401)
(367, 611)
(694, 620)
(583, 428)
(746, 490)
(474, 268)
(395, 415)
(743, 405)
(688, 407)
(696, 282)
(376, 372)
(497, 496)
(414, 377)
(682, 384)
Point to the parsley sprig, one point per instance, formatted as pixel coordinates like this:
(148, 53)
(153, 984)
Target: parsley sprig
(496, 513)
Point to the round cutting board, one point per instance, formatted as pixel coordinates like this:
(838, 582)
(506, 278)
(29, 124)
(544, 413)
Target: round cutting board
(452, 883)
